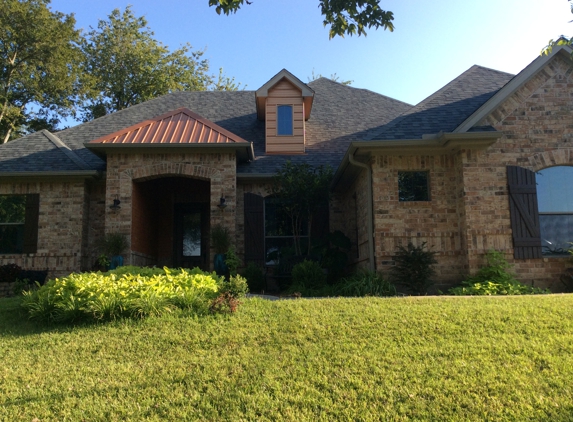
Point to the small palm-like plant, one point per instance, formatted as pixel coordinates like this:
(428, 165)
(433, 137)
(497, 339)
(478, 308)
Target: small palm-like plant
(413, 268)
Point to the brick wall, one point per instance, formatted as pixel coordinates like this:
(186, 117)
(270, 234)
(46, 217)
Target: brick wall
(60, 226)
(125, 169)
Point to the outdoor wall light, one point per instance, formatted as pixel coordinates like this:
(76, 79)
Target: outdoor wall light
(222, 205)
(115, 206)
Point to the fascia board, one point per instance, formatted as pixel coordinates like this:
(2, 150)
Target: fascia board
(80, 174)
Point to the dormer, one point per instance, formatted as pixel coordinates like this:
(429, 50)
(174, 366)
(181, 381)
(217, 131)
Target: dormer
(284, 104)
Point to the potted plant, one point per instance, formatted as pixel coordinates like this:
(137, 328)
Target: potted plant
(114, 245)
(220, 241)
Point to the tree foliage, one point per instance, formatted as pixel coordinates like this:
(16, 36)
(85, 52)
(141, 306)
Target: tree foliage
(562, 40)
(301, 191)
(126, 65)
(343, 16)
(40, 62)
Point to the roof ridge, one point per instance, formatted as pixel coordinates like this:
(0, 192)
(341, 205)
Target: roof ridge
(66, 150)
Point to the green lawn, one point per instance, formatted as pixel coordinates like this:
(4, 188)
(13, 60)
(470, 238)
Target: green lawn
(444, 358)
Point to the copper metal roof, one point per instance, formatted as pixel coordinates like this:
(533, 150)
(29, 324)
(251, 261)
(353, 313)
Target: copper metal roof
(180, 126)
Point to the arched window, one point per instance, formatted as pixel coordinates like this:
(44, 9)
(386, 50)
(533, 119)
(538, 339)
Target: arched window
(555, 204)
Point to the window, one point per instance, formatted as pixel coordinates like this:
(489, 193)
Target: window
(284, 120)
(18, 223)
(413, 186)
(278, 231)
(555, 203)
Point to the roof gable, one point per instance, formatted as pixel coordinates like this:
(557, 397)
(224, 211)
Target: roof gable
(180, 126)
(263, 92)
(511, 87)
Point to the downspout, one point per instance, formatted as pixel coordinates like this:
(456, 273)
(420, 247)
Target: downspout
(353, 161)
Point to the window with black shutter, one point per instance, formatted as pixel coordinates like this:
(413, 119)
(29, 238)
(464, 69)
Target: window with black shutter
(524, 213)
(19, 223)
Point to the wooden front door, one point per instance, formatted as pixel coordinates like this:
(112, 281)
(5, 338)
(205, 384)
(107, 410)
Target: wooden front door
(191, 230)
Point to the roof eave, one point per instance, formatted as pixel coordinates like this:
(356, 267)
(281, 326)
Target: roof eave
(439, 143)
(84, 174)
(244, 150)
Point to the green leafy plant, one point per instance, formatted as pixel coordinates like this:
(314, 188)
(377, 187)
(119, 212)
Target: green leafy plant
(255, 277)
(413, 268)
(495, 278)
(236, 286)
(114, 244)
(308, 276)
(220, 238)
(232, 260)
(126, 292)
(333, 251)
(366, 283)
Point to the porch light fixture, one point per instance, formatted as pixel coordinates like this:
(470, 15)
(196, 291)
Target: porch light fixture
(115, 206)
(222, 205)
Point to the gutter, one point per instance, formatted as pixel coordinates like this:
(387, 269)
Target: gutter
(368, 169)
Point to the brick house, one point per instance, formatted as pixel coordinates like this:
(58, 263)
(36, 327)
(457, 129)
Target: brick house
(457, 171)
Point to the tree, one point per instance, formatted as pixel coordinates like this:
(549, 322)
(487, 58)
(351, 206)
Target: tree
(301, 190)
(344, 16)
(40, 61)
(562, 40)
(333, 77)
(125, 66)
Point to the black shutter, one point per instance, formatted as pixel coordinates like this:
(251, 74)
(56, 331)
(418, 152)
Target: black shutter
(30, 244)
(524, 213)
(254, 229)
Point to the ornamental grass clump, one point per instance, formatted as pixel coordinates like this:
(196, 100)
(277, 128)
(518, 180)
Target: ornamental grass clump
(125, 292)
(495, 278)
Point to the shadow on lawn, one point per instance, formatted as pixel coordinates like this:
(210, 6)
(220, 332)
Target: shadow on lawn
(14, 321)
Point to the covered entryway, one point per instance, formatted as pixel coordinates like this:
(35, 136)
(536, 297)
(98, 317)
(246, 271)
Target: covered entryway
(170, 218)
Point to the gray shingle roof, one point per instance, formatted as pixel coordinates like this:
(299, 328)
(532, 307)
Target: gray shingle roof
(340, 115)
(448, 107)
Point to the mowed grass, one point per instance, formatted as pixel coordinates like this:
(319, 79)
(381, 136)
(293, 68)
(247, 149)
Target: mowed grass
(435, 358)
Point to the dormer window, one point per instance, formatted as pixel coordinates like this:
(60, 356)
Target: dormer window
(284, 120)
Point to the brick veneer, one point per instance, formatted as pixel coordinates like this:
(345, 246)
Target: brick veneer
(124, 169)
(61, 223)
(469, 209)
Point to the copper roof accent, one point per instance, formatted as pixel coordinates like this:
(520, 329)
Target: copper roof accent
(180, 126)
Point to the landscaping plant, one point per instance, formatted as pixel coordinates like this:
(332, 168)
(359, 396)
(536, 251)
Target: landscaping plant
(308, 278)
(366, 283)
(413, 268)
(495, 278)
(255, 277)
(127, 292)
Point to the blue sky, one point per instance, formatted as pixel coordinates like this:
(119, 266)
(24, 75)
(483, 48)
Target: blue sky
(434, 41)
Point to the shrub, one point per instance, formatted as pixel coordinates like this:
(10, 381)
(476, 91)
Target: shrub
(220, 238)
(124, 292)
(567, 276)
(494, 278)
(236, 286)
(9, 273)
(413, 268)
(232, 261)
(366, 283)
(307, 277)
(255, 277)
(114, 244)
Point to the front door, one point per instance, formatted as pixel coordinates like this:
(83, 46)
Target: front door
(191, 246)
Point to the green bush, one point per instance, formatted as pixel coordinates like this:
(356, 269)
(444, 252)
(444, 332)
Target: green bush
(232, 261)
(413, 268)
(9, 273)
(255, 277)
(124, 292)
(495, 278)
(307, 277)
(366, 283)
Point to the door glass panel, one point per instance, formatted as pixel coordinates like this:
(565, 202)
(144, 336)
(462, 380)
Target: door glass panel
(192, 234)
